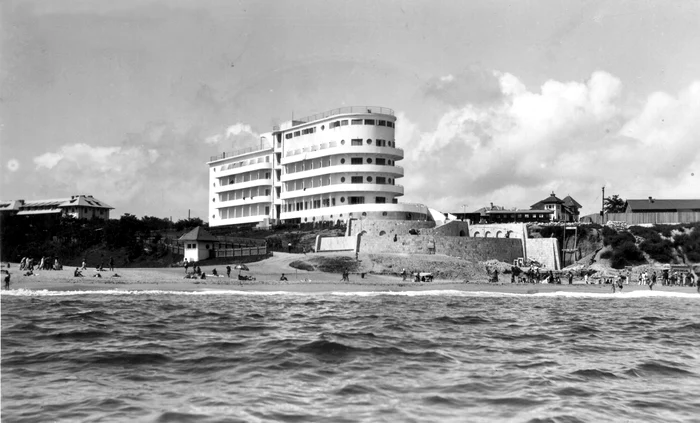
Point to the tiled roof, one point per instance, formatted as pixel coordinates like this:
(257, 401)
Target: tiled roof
(568, 201)
(658, 204)
(84, 201)
(198, 234)
(552, 199)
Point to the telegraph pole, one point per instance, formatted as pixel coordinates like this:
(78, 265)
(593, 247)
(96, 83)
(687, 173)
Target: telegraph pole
(602, 207)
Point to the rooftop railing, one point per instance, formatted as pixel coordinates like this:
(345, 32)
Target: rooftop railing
(225, 154)
(341, 111)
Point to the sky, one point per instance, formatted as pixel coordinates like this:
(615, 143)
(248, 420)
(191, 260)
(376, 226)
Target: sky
(498, 102)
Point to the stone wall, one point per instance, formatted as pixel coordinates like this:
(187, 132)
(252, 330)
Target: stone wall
(476, 249)
(336, 243)
(388, 227)
(545, 251)
(498, 230)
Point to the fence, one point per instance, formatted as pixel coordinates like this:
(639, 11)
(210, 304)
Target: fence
(659, 218)
(225, 252)
(241, 252)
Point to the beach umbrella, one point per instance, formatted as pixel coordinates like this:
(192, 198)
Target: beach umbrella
(241, 267)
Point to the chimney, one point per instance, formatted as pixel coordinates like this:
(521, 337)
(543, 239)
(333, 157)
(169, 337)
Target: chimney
(491, 206)
(651, 200)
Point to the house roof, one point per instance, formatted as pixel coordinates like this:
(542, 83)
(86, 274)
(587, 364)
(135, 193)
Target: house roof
(198, 234)
(552, 199)
(84, 201)
(659, 204)
(519, 211)
(569, 202)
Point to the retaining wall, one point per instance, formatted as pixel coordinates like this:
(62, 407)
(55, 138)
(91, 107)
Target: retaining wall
(476, 249)
(402, 227)
(545, 251)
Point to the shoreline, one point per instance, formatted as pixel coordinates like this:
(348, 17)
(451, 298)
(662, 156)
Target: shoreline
(172, 279)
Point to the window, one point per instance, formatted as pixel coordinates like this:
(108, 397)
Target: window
(342, 142)
(356, 180)
(333, 201)
(344, 122)
(342, 199)
(381, 162)
(326, 202)
(357, 142)
(356, 200)
(369, 121)
(380, 200)
(267, 192)
(380, 143)
(356, 122)
(381, 180)
(369, 142)
(356, 160)
(288, 136)
(323, 127)
(390, 124)
(317, 204)
(381, 123)
(267, 175)
(369, 179)
(297, 133)
(342, 161)
(342, 179)
(369, 160)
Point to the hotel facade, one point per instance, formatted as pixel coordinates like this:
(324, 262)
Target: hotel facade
(335, 165)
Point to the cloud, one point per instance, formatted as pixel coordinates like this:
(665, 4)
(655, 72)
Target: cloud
(238, 133)
(570, 137)
(474, 84)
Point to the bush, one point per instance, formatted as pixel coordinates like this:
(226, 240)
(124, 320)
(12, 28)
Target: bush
(661, 250)
(607, 254)
(626, 254)
(616, 239)
(646, 233)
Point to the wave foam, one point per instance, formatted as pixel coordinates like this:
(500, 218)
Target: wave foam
(428, 293)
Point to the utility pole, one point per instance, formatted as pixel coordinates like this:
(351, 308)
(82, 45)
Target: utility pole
(602, 207)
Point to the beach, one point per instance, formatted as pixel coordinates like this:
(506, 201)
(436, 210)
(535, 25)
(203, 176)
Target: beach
(267, 274)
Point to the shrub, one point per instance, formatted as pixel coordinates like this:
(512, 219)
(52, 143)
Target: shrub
(616, 239)
(607, 254)
(646, 233)
(626, 254)
(661, 250)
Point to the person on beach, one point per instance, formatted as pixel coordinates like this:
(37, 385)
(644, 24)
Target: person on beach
(228, 271)
(7, 279)
(653, 279)
(620, 282)
(77, 273)
(303, 250)
(613, 287)
(571, 278)
(289, 247)
(283, 278)
(403, 274)
(214, 272)
(84, 267)
(111, 264)
(187, 266)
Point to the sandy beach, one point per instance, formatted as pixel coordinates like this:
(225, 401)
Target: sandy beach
(267, 274)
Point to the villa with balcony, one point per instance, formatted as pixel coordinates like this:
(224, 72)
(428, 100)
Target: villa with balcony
(332, 166)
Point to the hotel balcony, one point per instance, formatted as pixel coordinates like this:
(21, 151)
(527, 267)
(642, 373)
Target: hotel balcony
(229, 169)
(393, 171)
(243, 185)
(354, 210)
(334, 148)
(243, 202)
(341, 188)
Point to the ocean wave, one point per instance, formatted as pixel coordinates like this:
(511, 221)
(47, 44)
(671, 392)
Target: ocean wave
(426, 293)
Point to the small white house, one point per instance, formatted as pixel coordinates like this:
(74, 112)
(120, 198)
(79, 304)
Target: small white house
(198, 244)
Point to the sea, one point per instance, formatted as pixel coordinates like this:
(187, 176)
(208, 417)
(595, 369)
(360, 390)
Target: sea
(430, 356)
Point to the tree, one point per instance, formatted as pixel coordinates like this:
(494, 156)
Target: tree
(614, 204)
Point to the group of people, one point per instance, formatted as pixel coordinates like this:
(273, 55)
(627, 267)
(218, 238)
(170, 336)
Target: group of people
(28, 264)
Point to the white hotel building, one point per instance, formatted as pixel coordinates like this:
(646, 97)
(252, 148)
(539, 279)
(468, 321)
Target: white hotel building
(331, 166)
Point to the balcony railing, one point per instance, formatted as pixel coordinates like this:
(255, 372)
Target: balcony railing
(243, 164)
(342, 111)
(323, 184)
(225, 154)
(332, 144)
(325, 164)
